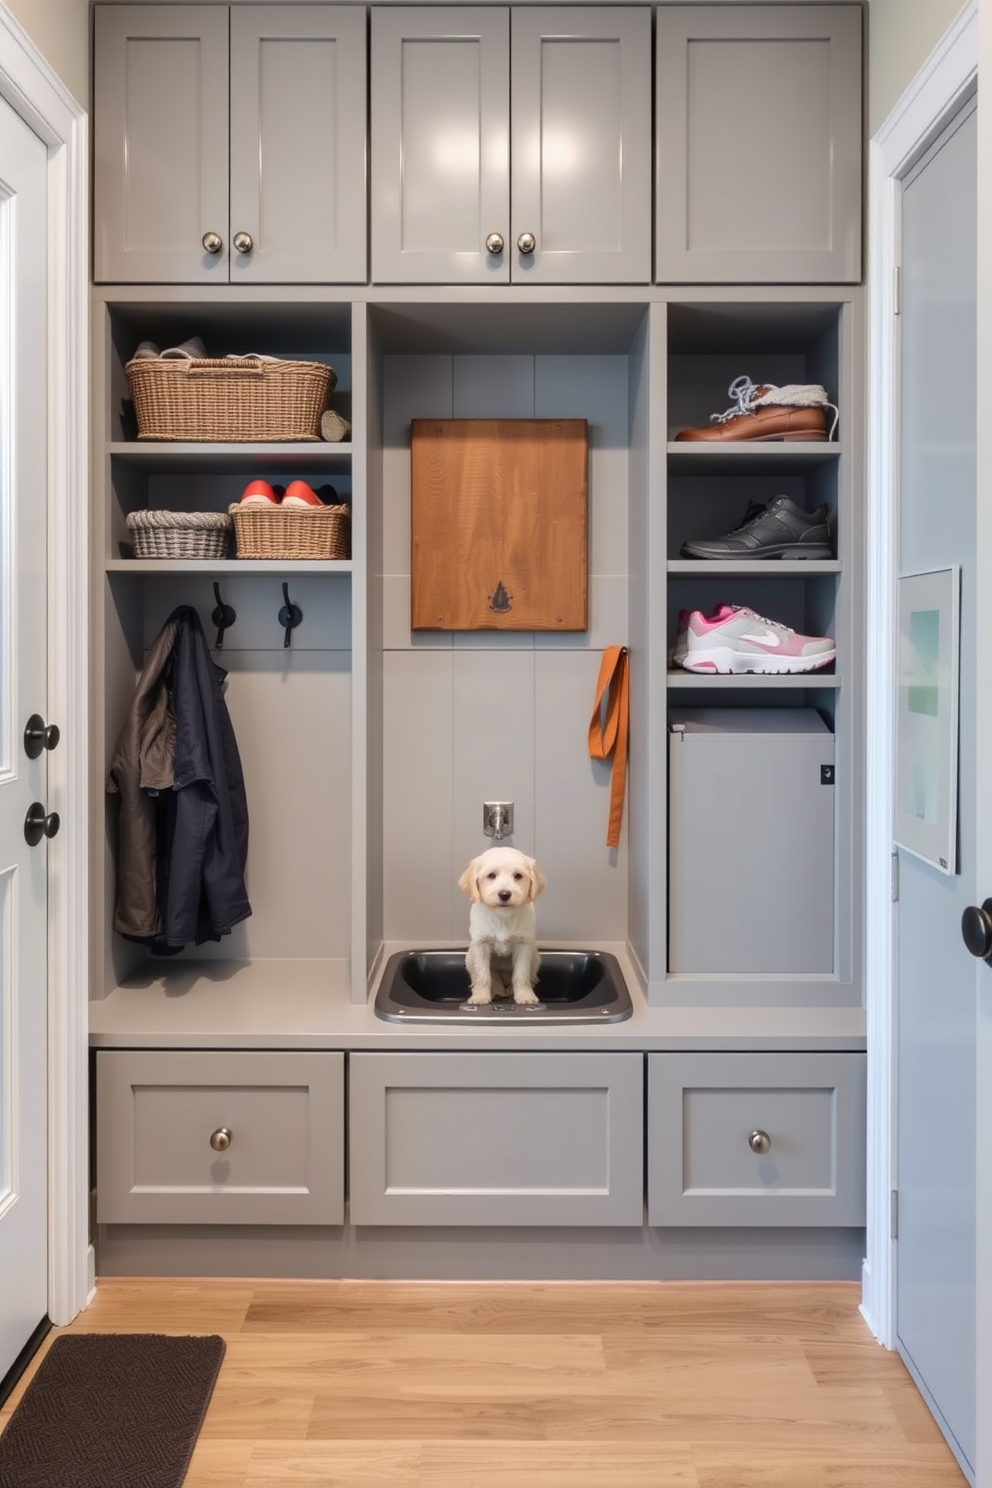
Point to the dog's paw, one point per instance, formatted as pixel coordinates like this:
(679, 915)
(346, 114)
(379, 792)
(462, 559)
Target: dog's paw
(479, 997)
(525, 995)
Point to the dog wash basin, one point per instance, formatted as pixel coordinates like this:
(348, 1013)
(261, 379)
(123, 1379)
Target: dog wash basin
(433, 987)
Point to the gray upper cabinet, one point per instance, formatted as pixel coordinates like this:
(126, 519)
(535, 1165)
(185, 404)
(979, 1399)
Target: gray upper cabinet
(511, 145)
(229, 145)
(759, 149)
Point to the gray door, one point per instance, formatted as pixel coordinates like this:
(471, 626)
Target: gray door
(160, 158)
(758, 144)
(298, 144)
(440, 161)
(580, 151)
(936, 1023)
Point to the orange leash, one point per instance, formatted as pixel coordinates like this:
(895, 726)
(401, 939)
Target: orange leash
(610, 735)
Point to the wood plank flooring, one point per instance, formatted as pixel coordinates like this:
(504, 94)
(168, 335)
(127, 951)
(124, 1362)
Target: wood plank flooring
(557, 1385)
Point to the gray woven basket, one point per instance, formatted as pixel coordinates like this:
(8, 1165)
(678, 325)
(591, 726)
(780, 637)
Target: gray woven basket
(166, 534)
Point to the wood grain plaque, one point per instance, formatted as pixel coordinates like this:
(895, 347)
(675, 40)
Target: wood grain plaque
(499, 519)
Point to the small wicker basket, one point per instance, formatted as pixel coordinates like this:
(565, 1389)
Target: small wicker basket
(167, 534)
(300, 532)
(229, 399)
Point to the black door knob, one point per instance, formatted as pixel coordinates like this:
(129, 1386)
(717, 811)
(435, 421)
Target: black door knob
(976, 929)
(38, 737)
(38, 825)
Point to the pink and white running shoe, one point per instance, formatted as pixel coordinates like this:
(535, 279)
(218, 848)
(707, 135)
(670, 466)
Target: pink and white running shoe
(677, 654)
(746, 642)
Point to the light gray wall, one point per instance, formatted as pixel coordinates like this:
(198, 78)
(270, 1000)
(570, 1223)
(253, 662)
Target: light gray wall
(901, 35)
(60, 31)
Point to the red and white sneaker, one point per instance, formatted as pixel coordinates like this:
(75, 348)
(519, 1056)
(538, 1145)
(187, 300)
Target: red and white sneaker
(258, 493)
(298, 493)
(746, 642)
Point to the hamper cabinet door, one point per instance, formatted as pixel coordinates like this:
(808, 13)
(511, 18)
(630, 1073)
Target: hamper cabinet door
(298, 107)
(160, 148)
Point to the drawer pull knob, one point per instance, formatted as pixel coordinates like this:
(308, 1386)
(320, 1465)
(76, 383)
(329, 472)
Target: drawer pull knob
(243, 242)
(212, 242)
(759, 1142)
(494, 243)
(221, 1139)
(526, 243)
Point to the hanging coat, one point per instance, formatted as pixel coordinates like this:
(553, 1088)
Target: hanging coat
(200, 840)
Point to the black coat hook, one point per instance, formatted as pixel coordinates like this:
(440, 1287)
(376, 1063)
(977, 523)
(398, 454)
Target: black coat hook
(223, 617)
(289, 616)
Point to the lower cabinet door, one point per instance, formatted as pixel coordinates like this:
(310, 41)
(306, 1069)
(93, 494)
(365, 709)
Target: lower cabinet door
(219, 1137)
(496, 1139)
(756, 1139)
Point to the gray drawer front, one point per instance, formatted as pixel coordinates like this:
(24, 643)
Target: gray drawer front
(157, 1110)
(496, 1139)
(702, 1109)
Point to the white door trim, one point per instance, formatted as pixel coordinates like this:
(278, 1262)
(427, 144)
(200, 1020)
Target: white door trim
(31, 87)
(934, 95)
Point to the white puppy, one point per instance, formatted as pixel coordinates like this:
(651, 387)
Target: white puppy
(502, 885)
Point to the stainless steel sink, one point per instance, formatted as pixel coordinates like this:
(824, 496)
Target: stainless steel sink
(433, 987)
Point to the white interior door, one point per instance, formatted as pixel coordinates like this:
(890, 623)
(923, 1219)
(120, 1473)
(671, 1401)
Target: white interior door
(935, 1000)
(23, 693)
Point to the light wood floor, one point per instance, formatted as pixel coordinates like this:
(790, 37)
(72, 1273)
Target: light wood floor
(560, 1385)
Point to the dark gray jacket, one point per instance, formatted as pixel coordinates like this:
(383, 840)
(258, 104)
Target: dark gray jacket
(183, 824)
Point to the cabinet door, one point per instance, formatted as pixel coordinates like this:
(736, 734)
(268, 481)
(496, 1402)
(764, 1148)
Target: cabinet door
(440, 144)
(219, 1137)
(298, 111)
(756, 1139)
(160, 143)
(496, 1139)
(758, 143)
(581, 146)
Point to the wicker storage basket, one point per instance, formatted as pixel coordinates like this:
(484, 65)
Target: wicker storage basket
(300, 532)
(166, 534)
(229, 399)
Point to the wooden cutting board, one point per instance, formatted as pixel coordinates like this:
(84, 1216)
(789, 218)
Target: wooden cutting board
(499, 524)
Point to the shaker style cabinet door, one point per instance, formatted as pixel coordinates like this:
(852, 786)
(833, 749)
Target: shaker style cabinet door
(440, 145)
(160, 146)
(758, 144)
(464, 100)
(256, 180)
(298, 112)
(580, 152)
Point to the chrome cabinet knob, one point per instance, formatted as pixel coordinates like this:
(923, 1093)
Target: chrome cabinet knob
(221, 1139)
(243, 242)
(38, 736)
(212, 242)
(494, 243)
(526, 243)
(38, 825)
(759, 1141)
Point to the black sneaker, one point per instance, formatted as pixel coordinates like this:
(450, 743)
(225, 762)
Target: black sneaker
(779, 530)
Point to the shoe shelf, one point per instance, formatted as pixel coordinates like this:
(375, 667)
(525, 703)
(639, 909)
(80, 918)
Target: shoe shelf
(767, 568)
(163, 566)
(825, 681)
(748, 459)
(241, 459)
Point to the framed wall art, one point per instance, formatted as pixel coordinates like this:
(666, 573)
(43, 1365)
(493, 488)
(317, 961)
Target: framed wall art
(927, 716)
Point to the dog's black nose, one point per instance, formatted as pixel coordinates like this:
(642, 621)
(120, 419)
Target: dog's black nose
(504, 895)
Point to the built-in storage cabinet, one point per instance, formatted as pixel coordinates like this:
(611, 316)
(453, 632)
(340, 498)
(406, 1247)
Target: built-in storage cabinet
(220, 1137)
(229, 144)
(289, 693)
(710, 488)
(756, 1139)
(491, 1139)
(511, 145)
(758, 144)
